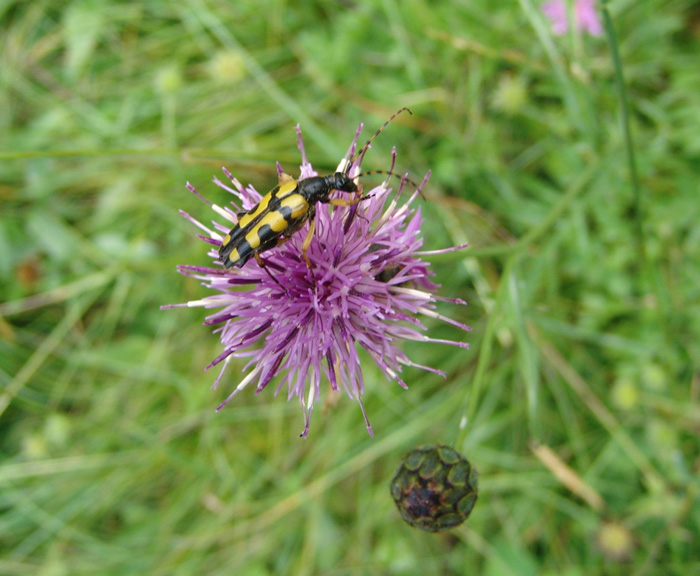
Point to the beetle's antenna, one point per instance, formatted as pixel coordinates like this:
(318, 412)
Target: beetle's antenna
(361, 152)
(403, 178)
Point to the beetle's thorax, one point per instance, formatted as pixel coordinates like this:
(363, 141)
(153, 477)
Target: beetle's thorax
(318, 188)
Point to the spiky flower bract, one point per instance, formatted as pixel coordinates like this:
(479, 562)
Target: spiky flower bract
(366, 286)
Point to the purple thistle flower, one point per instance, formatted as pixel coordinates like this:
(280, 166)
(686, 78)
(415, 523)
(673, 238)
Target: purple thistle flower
(585, 17)
(367, 284)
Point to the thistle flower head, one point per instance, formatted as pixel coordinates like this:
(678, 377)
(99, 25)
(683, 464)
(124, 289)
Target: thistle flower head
(584, 14)
(298, 326)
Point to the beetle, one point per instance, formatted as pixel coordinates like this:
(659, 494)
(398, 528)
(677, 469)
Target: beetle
(285, 209)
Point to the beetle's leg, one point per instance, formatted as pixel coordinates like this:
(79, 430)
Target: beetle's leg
(307, 242)
(345, 203)
(262, 265)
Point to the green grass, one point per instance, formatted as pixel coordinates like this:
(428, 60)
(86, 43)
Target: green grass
(583, 287)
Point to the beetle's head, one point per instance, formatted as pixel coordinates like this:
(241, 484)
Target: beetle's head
(343, 182)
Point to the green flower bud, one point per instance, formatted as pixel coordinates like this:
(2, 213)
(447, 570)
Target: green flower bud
(435, 488)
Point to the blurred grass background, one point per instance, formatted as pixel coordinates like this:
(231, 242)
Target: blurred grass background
(581, 389)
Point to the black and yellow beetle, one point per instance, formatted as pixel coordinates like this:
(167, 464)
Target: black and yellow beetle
(284, 209)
